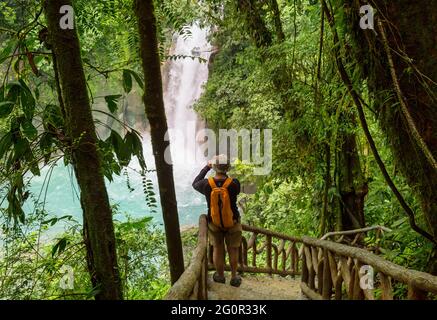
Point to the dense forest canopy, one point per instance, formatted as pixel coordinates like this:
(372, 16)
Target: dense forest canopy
(352, 113)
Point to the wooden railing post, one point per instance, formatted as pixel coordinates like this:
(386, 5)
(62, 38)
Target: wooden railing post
(305, 271)
(269, 252)
(386, 288)
(283, 254)
(415, 293)
(309, 263)
(332, 263)
(327, 279)
(252, 244)
(294, 258)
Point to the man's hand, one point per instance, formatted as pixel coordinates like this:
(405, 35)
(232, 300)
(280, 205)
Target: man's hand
(210, 164)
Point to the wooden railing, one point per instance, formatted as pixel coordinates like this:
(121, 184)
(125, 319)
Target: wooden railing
(193, 282)
(265, 251)
(328, 269)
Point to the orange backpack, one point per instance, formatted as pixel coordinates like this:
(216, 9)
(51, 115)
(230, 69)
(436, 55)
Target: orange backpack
(220, 205)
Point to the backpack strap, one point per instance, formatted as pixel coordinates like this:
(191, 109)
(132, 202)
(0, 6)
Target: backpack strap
(213, 185)
(212, 182)
(228, 181)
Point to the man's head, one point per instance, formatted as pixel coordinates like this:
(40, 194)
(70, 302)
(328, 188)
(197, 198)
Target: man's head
(220, 164)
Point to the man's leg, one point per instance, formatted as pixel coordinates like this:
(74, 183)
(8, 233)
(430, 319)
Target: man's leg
(219, 257)
(216, 237)
(233, 260)
(233, 242)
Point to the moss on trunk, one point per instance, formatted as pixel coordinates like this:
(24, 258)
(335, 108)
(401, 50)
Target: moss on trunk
(97, 215)
(155, 111)
(411, 27)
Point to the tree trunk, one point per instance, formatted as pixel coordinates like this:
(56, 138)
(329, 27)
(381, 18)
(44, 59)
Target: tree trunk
(154, 103)
(254, 23)
(352, 184)
(273, 4)
(97, 216)
(410, 31)
(325, 219)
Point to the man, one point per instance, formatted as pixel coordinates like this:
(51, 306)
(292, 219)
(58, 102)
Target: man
(221, 229)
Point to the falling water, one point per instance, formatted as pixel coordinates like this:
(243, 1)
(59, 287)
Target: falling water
(183, 81)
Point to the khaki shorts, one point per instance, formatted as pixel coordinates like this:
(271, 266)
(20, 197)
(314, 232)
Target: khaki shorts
(232, 236)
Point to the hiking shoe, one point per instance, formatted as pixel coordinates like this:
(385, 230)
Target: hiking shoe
(217, 278)
(236, 281)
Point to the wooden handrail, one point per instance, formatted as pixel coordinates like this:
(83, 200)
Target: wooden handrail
(280, 258)
(328, 269)
(355, 231)
(341, 264)
(270, 233)
(194, 277)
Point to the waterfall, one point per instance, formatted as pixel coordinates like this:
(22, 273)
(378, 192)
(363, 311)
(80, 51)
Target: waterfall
(183, 80)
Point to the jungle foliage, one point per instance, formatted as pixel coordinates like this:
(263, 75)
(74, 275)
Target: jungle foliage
(276, 64)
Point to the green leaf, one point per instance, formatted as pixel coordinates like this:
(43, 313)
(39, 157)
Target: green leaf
(45, 144)
(15, 210)
(137, 78)
(6, 108)
(60, 246)
(14, 91)
(111, 101)
(133, 141)
(127, 81)
(22, 148)
(5, 144)
(35, 169)
(7, 50)
(27, 100)
(28, 129)
(52, 115)
(120, 148)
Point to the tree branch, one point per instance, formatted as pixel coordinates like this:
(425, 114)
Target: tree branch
(404, 108)
(356, 98)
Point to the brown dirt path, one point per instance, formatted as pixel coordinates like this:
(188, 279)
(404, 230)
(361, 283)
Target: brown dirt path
(256, 287)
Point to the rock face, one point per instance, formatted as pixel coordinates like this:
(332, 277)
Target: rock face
(257, 287)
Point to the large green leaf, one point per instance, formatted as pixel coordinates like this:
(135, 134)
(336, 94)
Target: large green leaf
(5, 144)
(14, 90)
(22, 148)
(134, 143)
(45, 144)
(52, 115)
(137, 78)
(27, 100)
(6, 108)
(128, 75)
(19, 92)
(28, 129)
(111, 101)
(127, 81)
(120, 148)
(59, 246)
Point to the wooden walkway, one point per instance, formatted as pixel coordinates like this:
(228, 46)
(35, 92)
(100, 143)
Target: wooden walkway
(281, 267)
(257, 287)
